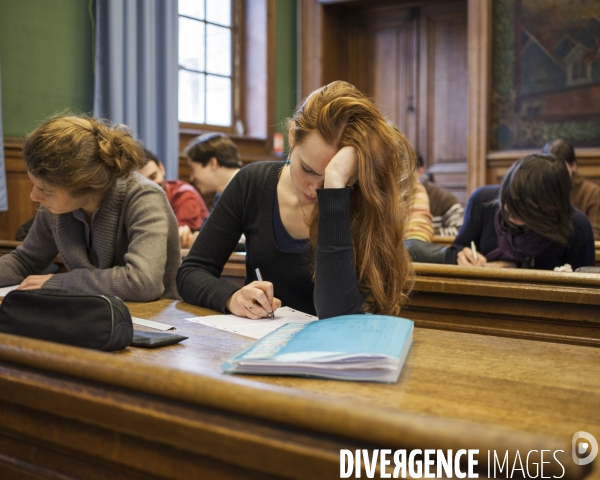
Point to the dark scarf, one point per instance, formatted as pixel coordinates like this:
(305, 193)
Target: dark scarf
(519, 248)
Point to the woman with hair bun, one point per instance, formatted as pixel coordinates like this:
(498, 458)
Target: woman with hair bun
(326, 227)
(113, 229)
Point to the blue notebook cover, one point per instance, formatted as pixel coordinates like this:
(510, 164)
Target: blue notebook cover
(353, 346)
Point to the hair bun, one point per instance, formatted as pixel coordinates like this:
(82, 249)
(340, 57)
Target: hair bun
(117, 149)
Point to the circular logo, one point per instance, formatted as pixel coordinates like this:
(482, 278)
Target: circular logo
(585, 448)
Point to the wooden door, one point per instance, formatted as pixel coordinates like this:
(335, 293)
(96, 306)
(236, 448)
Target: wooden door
(411, 57)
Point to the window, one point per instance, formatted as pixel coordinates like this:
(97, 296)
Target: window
(244, 105)
(206, 62)
(578, 73)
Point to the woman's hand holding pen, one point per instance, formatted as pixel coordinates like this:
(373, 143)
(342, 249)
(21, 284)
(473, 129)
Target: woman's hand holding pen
(254, 301)
(342, 170)
(469, 258)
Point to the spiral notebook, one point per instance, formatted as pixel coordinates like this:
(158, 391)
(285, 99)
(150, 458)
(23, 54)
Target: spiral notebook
(370, 348)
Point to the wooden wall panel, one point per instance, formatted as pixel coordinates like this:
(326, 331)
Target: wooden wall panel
(452, 177)
(448, 87)
(379, 47)
(393, 85)
(443, 85)
(20, 206)
(311, 15)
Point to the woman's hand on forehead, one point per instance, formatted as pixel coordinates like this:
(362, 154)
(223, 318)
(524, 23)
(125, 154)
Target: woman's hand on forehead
(342, 170)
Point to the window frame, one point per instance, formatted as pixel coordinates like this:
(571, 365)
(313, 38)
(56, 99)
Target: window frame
(236, 73)
(254, 97)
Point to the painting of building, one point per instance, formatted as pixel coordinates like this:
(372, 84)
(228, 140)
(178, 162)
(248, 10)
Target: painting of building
(552, 88)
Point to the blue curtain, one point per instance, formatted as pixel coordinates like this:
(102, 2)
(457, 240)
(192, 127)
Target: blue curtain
(3, 194)
(136, 72)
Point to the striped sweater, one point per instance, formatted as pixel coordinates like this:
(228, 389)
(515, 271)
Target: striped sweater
(420, 224)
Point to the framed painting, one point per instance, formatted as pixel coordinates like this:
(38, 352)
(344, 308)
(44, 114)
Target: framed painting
(545, 73)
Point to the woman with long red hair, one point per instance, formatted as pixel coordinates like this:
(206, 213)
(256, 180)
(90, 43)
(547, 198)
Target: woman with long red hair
(326, 227)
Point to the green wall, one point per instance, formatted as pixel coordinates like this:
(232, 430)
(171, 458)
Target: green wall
(45, 60)
(285, 60)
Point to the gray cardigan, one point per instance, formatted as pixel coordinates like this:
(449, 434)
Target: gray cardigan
(134, 248)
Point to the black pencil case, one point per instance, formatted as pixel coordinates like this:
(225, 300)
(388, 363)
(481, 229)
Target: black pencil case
(100, 322)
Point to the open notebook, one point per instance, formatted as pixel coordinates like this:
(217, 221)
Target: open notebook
(350, 347)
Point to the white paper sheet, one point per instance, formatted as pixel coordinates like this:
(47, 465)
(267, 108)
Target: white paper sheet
(254, 328)
(151, 324)
(5, 290)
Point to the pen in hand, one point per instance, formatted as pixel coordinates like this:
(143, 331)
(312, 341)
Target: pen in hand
(259, 278)
(474, 250)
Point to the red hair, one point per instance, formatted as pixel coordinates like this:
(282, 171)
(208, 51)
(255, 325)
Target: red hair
(382, 197)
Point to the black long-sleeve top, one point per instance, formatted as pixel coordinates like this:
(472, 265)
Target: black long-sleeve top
(246, 206)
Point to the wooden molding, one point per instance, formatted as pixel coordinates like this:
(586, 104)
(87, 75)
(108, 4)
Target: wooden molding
(310, 46)
(479, 61)
(498, 162)
(18, 185)
(583, 155)
(13, 155)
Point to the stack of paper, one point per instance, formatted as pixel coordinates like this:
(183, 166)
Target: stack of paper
(351, 347)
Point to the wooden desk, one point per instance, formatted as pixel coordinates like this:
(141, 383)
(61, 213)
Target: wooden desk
(447, 241)
(171, 413)
(533, 304)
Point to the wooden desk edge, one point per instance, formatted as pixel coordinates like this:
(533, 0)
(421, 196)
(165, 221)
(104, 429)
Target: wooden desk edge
(516, 275)
(261, 401)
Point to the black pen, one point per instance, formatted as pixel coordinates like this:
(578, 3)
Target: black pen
(259, 277)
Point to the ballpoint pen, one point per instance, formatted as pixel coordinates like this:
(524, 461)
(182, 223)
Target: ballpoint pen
(259, 278)
(474, 250)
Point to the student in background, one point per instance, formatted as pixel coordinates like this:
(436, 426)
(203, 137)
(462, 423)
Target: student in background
(447, 212)
(114, 230)
(213, 160)
(187, 204)
(326, 228)
(585, 195)
(526, 222)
